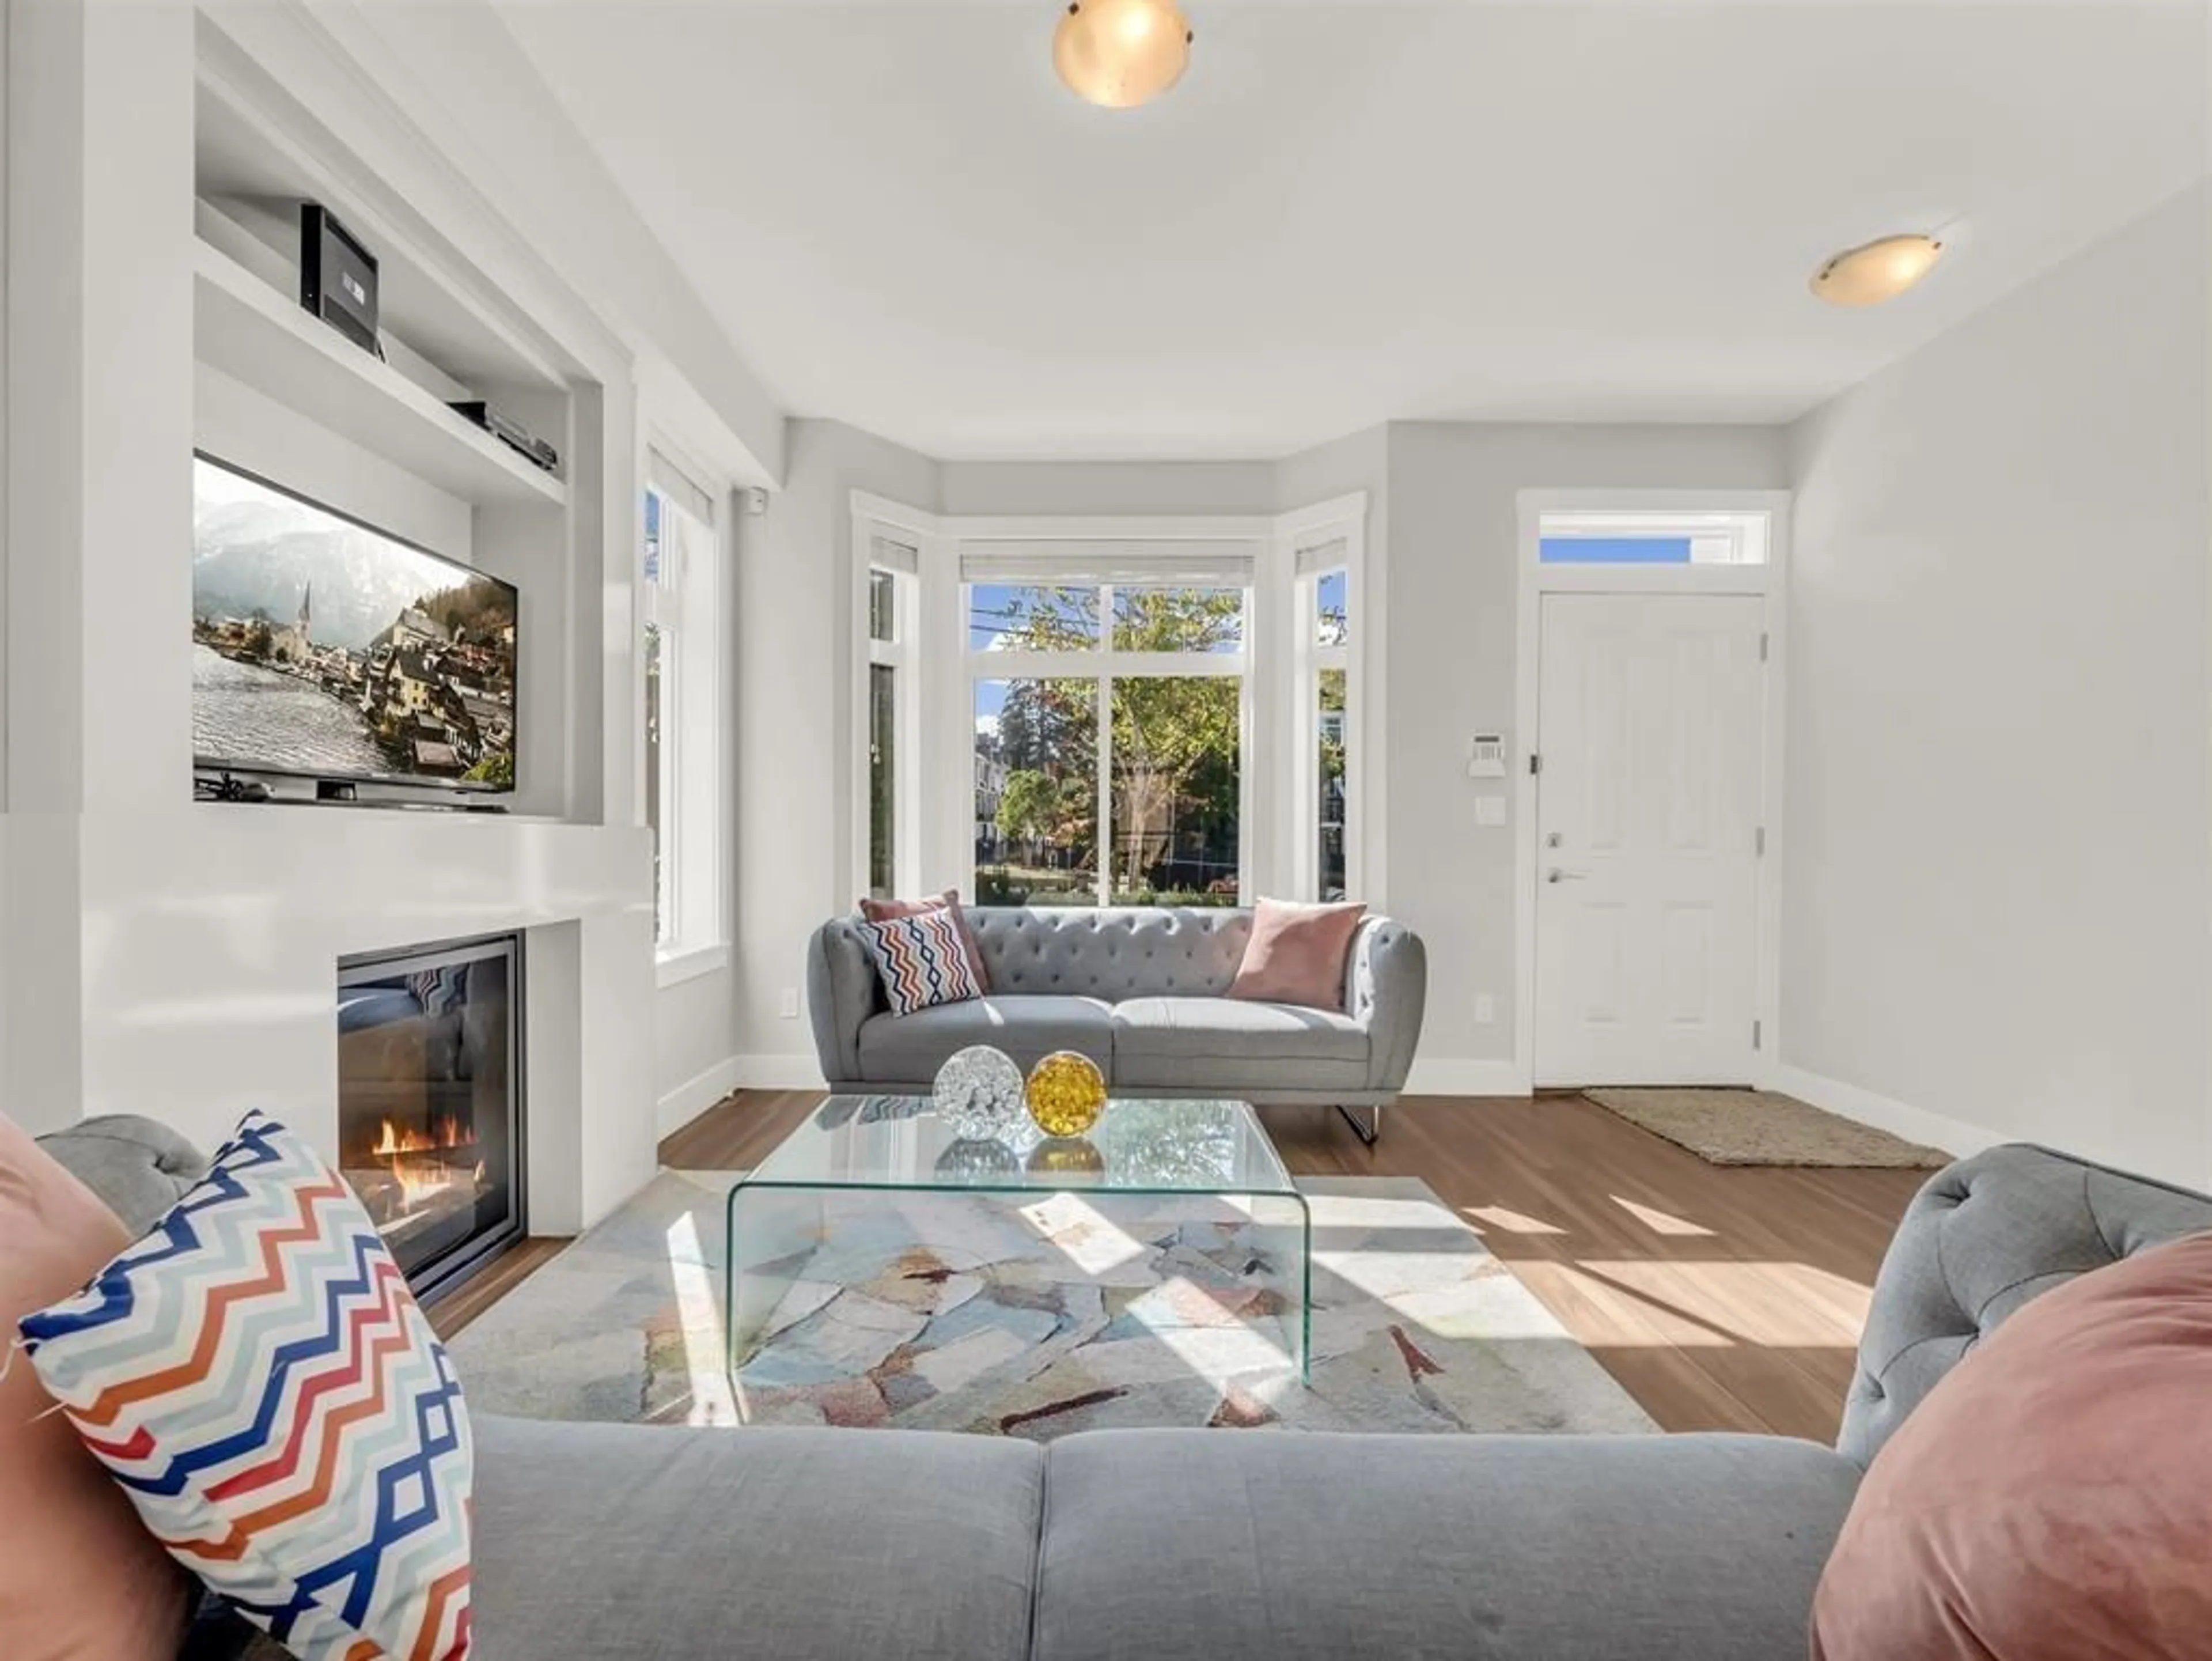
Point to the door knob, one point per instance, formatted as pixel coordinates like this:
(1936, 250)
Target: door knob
(1557, 875)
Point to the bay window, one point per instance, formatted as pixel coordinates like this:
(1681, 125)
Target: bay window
(1153, 711)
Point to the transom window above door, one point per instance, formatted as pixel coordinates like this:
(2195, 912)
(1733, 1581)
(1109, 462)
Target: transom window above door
(1653, 538)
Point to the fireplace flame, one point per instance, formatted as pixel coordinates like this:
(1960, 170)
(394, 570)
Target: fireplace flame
(447, 1133)
(425, 1180)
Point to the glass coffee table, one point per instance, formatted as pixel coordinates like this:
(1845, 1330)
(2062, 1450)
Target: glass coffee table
(897, 1147)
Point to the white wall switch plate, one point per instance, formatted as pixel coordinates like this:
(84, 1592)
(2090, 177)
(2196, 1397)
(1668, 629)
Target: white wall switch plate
(790, 1009)
(1485, 1009)
(1490, 809)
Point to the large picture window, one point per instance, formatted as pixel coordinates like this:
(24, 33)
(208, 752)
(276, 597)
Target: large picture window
(1109, 734)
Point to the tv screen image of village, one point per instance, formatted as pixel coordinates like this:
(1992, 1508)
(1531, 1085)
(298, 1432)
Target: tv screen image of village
(324, 649)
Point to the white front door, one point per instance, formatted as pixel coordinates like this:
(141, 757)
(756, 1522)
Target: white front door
(1649, 721)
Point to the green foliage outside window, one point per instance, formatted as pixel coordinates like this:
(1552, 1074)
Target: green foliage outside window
(1175, 742)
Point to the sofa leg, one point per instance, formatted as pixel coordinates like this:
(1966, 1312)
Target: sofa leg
(1367, 1133)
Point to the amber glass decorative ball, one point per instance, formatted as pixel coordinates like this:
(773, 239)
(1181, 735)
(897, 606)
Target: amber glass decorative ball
(1067, 1094)
(1066, 1156)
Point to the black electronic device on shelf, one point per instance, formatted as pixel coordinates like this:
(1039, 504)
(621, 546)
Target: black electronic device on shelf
(337, 276)
(224, 788)
(508, 431)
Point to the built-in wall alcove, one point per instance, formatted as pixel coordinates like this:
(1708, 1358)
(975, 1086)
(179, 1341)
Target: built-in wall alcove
(387, 608)
(177, 958)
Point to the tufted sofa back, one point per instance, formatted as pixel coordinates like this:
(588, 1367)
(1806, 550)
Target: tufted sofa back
(1115, 953)
(1981, 1239)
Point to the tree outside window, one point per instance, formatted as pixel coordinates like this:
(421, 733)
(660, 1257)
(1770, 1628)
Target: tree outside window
(1170, 801)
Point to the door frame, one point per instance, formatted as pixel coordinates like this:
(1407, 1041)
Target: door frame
(1770, 583)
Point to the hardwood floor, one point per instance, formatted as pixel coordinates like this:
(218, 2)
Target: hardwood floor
(1721, 1299)
(492, 1283)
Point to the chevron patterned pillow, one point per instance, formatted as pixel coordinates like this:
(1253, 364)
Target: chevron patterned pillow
(923, 960)
(256, 1376)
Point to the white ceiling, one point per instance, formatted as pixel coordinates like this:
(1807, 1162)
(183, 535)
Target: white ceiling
(1357, 211)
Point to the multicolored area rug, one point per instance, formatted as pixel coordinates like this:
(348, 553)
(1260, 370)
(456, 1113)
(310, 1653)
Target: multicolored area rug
(999, 1317)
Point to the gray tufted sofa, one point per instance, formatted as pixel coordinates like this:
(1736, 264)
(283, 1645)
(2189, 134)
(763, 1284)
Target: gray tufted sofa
(633, 1542)
(1139, 990)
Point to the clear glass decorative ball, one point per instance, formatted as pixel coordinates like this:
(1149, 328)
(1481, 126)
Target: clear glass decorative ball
(978, 1094)
(977, 1161)
(1067, 1094)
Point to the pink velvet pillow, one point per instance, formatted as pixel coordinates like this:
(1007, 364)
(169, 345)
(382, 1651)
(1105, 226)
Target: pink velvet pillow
(890, 910)
(1297, 953)
(80, 1579)
(2051, 1500)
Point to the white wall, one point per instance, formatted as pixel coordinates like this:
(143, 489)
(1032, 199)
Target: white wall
(234, 423)
(795, 599)
(1996, 881)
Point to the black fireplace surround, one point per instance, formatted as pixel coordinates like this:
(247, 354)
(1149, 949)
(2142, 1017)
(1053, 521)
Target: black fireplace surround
(430, 1102)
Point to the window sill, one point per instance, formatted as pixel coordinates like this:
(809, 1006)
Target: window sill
(676, 964)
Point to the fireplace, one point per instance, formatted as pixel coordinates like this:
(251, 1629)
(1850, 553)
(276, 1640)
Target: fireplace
(430, 1103)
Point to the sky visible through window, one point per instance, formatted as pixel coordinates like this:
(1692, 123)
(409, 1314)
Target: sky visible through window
(1615, 551)
(1332, 623)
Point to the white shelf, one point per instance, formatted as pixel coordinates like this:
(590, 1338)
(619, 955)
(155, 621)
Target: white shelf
(253, 333)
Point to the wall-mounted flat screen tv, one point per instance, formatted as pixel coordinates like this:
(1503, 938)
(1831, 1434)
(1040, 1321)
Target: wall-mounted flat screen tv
(324, 648)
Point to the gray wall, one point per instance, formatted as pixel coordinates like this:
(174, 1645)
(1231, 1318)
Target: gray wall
(1453, 533)
(1996, 876)
(1443, 529)
(1108, 487)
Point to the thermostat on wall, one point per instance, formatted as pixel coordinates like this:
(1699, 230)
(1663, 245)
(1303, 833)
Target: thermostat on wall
(1486, 756)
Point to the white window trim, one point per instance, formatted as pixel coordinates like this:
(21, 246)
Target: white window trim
(697, 742)
(1104, 663)
(1770, 583)
(1341, 520)
(876, 521)
(1275, 819)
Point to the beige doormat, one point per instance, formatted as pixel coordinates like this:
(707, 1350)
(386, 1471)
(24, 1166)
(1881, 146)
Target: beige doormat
(1761, 1127)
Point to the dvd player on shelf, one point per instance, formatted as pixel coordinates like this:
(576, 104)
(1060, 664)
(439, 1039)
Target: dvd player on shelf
(514, 434)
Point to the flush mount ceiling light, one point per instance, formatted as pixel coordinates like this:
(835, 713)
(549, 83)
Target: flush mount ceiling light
(1122, 53)
(1880, 271)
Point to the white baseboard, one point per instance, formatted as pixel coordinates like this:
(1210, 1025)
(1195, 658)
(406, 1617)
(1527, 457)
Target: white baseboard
(777, 1073)
(695, 1096)
(1916, 1124)
(1441, 1076)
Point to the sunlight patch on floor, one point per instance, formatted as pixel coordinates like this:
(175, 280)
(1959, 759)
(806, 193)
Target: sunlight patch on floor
(699, 1310)
(1662, 1222)
(1789, 1306)
(1506, 1221)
